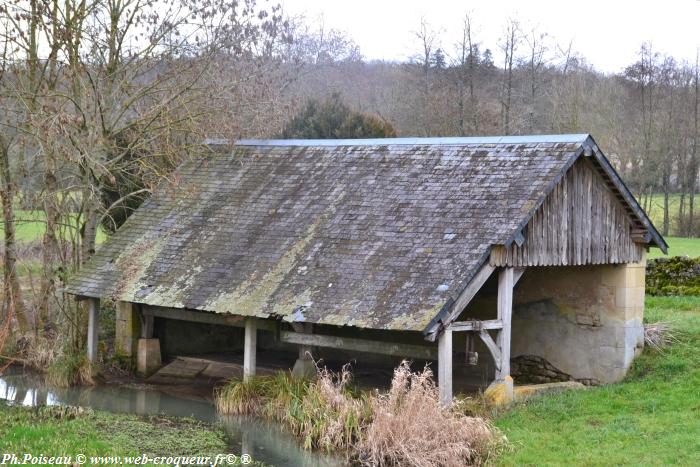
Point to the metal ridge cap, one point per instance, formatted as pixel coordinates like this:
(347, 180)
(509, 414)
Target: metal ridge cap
(412, 141)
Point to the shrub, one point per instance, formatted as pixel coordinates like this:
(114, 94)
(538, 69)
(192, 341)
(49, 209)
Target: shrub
(333, 119)
(678, 275)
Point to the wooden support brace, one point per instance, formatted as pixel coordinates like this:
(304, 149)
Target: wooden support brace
(93, 328)
(517, 274)
(249, 348)
(493, 348)
(463, 299)
(445, 366)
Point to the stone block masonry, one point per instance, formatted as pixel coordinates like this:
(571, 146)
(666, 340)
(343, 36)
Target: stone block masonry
(582, 321)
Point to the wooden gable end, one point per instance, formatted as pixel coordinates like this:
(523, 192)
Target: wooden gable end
(582, 221)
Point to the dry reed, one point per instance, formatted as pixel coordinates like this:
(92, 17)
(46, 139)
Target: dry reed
(411, 428)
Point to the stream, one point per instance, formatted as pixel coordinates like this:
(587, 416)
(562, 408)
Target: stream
(264, 441)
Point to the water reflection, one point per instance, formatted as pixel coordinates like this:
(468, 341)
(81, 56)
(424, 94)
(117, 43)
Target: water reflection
(264, 441)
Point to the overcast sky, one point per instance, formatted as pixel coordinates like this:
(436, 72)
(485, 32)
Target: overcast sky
(607, 32)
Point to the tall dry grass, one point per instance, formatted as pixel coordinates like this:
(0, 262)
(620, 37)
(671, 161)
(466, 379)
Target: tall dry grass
(70, 370)
(659, 335)
(322, 413)
(405, 427)
(411, 428)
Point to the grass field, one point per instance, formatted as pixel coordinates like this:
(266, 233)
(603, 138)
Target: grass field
(651, 418)
(678, 246)
(31, 225)
(656, 213)
(45, 431)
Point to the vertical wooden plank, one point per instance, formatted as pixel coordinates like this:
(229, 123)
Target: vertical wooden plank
(445, 366)
(505, 312)
(249, 348)
(93, 328)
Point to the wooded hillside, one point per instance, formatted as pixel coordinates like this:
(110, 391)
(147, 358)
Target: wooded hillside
(101, 99)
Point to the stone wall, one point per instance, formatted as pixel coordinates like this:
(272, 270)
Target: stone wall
(584, 321)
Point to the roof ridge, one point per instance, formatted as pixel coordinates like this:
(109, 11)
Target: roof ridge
(410, 141)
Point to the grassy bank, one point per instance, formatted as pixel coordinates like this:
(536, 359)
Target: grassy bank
(678, 246)
(651, 418)
(66, 431)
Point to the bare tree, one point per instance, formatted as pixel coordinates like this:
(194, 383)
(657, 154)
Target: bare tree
(691, 172)
(509, 44)
(537, 49)
(467, 63)
(13, 305)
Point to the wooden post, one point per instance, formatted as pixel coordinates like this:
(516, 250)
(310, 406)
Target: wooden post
(127, 329)
(249, 348)
(93, 328)
(445, 366)
(505, 312)
(305, 350)
(147, 326)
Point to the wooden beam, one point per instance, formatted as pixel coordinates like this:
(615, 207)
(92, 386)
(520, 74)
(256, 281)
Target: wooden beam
(93, 328)
(505, 312)
(422, 352)
(517, 274)
(493, 348)
(249, 348)
(640, 236)
(463, 299)
(476, 325)
(205, 317)
(445, 366)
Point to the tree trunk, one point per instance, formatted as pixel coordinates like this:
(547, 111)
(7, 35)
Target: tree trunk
(682, 228)
(50, 243)
(666, 223)
(89, 228)
(12, 300)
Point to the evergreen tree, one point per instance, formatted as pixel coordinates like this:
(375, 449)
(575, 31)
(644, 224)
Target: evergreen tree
(333, 119)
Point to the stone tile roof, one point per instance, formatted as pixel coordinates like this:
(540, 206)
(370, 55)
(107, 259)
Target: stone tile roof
(375, 234)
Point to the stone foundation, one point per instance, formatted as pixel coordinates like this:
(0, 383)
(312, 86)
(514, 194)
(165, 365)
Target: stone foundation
(584, 322)
(532, 369)
(148, 360)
